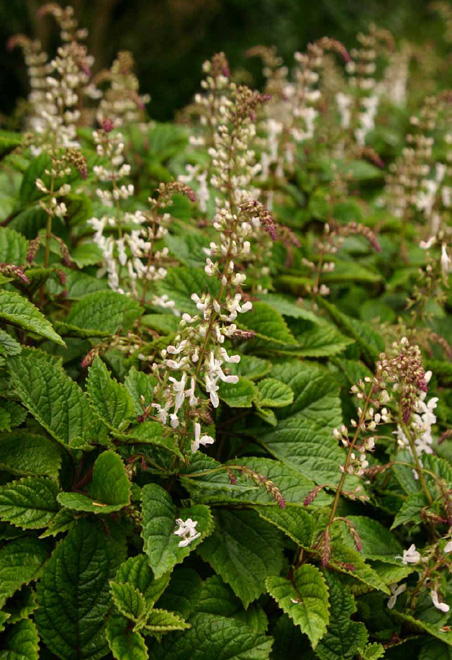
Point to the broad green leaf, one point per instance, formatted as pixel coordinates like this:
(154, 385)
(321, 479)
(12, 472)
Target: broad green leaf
(110, 400)
(268, 324)
(297, 524)
(25, 453)
(419, 627)
(289, 307)
(15, 411)
(18, 311)
(104, 310)
(21, 562)
(244, 550)
(29, 192)
(54, 399)
(161, 621)
(129, 601)
(317, 340)
(137, 572)
(410, 511)
(213, 637)
(251, 367)
(289, 640)
(161, 544)
(182, 593)
(305, 599)
(343, 637)
(431, 651)
(218, 598)
(63, 520)
(109, 490)
(13, 247)
(140, 386)
(8, 345)
(377, 543)
(164, 324)
(347, 560)
(86, 254)
(124, 642)
(74, 594)
(21, 642)
(238, 395)
(274, 393)
(9, 140)
(29, 503)
(151, 433)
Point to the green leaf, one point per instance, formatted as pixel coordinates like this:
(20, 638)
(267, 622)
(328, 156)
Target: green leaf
(274, 393)
(23, 453)
(161, 544)
(9, 140)
(416, 626)
(124, 642)
(21, 562)
(213, 637)
(183, 592)
(21, 642)
(376, 651)
(297, 524)
(161, 621)
(54, 399)
(110, 489)
(349, 561)
(9, 346)
(13, 247)
(244, 550)
(21, 605)
(18, 311)
(151, 433)
(110, 400)
(344, 637)
(268, 324)
(410, 511)
(432, 651)
(61, 523)
(104, 310)
(86, 254)
(140, 386)
(74, 594)
(305, 599)
(129, 601)
(317, 340)
(137, 572)
(377, 543)
(29, 192)
(238, 395)
(180, 283)
(218, 598)
(29, 503)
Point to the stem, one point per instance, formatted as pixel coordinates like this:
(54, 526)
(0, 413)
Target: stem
(417, 462)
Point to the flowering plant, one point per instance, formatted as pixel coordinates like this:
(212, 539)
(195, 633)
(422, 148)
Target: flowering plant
(225, 367)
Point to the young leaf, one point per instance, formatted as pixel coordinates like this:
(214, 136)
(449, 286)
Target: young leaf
(109, 399)
(129, 601)
(109, 490)
(21, 642)
(244, 550)
(305, 599)
(161, 621)
(124, 642)
(29, 503)
(18, 311)
(74, 594)
(161, 544)
(21, 562)
(54, 399)
(137, 572)
(104, 310)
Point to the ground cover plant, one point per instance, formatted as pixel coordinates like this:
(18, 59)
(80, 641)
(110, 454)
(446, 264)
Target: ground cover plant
(225, 369)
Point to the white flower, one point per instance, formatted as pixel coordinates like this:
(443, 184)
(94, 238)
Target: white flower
(187, 531)
(448, 547)
(199, 439)
(445, 260)
(396, 590)
(444, 607)
(410, 556)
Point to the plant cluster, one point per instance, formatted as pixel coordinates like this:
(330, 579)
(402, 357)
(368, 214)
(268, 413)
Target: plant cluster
(225, 372)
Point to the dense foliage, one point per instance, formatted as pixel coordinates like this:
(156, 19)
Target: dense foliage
(225, 370)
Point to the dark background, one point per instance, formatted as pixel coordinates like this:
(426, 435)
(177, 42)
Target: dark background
(171, 38)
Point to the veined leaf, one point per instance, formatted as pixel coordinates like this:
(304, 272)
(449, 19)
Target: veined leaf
(129, 601)
(124, 642)
(29, 503)
(244, 550)
(274, 393)
(13, 247)
(137, 572)
(18, 311)
(140, 386)
(305, 599)
(296, 523)
(21, 562)
(74, 594)
(109, 490)
(109, 399)
(161, 544)
(25, 453)
(161, 621)
(20, 642)
(182, 593)
(268, 324)
(104, 310)
(54, 399)
(238, 395)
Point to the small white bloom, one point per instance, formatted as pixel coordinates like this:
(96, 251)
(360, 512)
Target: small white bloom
(444, 607)
(396, 590)
(199, 439)
(410, 556)
(448, 547)
(187, 531)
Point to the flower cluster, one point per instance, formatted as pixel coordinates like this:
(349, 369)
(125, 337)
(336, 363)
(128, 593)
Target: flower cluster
(186, 531)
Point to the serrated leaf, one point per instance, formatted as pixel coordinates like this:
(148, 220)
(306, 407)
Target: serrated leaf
(161, 544)
(140, 386)
(21, 562)
(29, 503)
(410, 511)
(25, 453)
(104, 310)
(13, 247)
(305, 599)
(417, 626)
(20, 642)
(349, 561)
(74, 594)
(213, 637)
(244, 550)
(137, 572)
(109, 490)
(54, 399)
(21, 605)
(268, 324)
(238, 395)
(376, 651)
(274, 393)
(161, 621)
(129, 601)
(377, 543)
(343, 637)
(317, 340)
(124, 642)
(109, 399)
(151, 433)
(182, 593)
(18, 311)
(297, 524)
